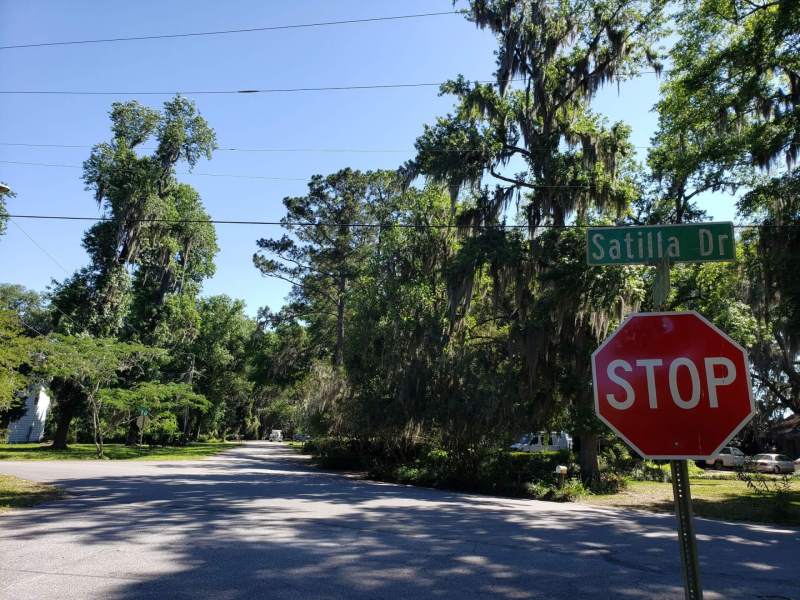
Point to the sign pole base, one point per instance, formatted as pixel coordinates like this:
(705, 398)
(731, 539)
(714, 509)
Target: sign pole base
(686, 537)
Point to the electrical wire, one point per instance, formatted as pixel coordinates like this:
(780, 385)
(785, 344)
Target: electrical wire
(273, 150)
(35, 164)
(63, 166)
(35, 243)
(369, 225)
(329, 88)
(231, 31)
(53, 259)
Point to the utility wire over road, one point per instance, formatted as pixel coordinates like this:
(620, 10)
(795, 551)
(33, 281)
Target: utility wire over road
(245, 176)
(276, 150)
(139, 38)
(383, 225)
(329, 88)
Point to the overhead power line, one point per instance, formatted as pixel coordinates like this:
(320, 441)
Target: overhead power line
(234, 175)
(231, 31)
(359, 225)
(266, 150)
(53, 259)
(36, 164)
(329, 88)
(229, 149)
(40, 247)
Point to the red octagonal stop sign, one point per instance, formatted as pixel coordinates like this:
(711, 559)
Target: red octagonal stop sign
(672, 385)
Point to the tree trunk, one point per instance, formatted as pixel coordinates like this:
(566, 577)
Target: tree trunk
(68, 403)
(66, 413)
(338, 353)
(587, 458)
(132, 435)
(98, 435)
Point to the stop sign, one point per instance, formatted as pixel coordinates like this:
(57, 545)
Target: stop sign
(672, 385)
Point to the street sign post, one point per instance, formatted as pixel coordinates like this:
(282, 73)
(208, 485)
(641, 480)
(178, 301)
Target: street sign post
(142, 421)
(694, 242)
(672, 385)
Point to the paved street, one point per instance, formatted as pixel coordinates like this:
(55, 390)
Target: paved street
(258, 522)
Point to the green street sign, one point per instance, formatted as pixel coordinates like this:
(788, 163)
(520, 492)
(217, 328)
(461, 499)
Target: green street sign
(693, 242)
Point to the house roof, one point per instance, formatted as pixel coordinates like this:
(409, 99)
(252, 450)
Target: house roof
(789, 426)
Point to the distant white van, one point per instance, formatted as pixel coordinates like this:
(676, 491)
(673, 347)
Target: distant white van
(543, 441)
(276, 435)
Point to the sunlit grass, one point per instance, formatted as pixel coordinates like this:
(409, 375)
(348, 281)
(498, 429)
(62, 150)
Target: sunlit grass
(111, 451)
(18, 493)
(729, 500)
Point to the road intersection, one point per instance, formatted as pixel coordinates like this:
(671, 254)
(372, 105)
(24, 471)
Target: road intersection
(259, 522)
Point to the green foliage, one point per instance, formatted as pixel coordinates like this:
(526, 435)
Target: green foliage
(326, 252)
(15, 353)
(734, 79)
(777, 489)
(19, 493)
(138, 193)
(492, 471)
(92, 365)
(648, 470)
(5, 193)
(770, 262)
(191, 451)
(28, 305)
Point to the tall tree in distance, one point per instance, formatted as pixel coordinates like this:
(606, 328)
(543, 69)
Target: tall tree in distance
(552, 58)
(327, 247)
(730, 117)
(133, 189)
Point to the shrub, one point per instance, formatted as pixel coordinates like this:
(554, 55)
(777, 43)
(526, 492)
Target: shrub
(618, 458)
(492, 471)
(572, 490)
(610, 483)
(652, 471)
(336, 453)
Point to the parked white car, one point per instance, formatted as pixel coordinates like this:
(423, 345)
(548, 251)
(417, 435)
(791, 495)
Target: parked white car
(772, 463)
(729, 457)
(276, 435)
(543, 440)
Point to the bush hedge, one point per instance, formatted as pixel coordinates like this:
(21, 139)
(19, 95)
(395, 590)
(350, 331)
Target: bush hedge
(491, 471)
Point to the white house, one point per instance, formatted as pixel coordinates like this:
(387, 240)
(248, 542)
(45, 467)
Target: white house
(30, 426)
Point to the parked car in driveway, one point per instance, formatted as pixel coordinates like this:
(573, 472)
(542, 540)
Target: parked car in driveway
(543, 440)
(276, 435)
(772, 463)
(729, 457)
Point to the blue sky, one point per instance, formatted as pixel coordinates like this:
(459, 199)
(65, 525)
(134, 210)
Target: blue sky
(419, 50)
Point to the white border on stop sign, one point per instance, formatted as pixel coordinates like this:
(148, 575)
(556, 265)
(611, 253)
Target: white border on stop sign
(738, 428)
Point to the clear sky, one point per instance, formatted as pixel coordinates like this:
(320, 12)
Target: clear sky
(428, 49)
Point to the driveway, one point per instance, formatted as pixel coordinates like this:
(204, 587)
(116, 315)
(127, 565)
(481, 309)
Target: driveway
(259, 522)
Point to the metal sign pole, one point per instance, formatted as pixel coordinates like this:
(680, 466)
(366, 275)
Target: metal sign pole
(686, 537)
(680, 476)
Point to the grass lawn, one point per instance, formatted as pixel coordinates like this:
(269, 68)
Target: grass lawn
(717, 499)
(18, 493)
(111, 451)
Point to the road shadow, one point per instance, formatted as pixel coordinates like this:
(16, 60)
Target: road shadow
(270, 525)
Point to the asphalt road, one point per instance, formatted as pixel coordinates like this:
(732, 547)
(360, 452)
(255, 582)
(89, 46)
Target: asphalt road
(258, 522)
